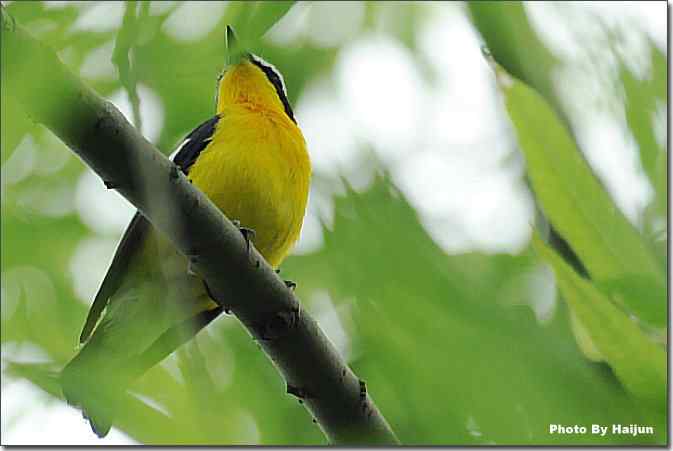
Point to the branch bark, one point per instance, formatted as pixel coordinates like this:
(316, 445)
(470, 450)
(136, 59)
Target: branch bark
(96, 131)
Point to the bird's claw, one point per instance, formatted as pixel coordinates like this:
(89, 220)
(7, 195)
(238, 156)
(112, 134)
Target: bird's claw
(248, 234)
(211, 296)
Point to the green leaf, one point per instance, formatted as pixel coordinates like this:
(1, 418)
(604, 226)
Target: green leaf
(266, 15)
(446, 343)
(641, 99)
(514, 44)
(637, 361)
(638, 292)
(575, 202)
(251, 20)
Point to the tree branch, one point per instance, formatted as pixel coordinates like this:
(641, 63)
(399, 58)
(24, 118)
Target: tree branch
(99, 134)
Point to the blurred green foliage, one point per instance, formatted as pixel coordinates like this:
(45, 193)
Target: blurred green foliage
(637, 361)
(514, 44)
(610, 247)
(454, 348)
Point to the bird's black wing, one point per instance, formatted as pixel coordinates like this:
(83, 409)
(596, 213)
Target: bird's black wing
(139, 227)
(130, 242)
(195, 142)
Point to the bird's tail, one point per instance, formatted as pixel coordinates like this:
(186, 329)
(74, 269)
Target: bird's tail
(97, 377)
(94, 385)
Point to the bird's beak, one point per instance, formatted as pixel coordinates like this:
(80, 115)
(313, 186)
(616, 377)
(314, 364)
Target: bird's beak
(234, 50)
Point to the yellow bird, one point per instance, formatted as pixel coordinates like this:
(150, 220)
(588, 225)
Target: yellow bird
(251, 160)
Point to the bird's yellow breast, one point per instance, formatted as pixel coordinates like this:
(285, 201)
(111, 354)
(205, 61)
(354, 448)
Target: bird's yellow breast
(256, 170)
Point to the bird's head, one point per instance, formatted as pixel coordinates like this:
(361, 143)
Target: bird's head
(248, 79)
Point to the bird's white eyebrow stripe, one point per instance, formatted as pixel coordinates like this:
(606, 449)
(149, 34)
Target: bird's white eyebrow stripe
(265, 63)
(276, 79)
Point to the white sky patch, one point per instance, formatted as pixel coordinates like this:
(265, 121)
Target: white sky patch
(54, 154)
(103, 210)
(660, 125)
(23, 353)
(68, 55)
(463, 174)
(13, 288)
(327, 128)
(157, 8)
(48, 422)
(24, 283)
(585, 86)
(542, 292)
(565, 28)
(653, 16)
(331, 23)
(98, 63)
(614, 157)
(21, 162)
(43, 156)
(464, 105)
(552, 30)
(291, 27)
(535, 288)
(465, 205)
(100, 17)
(319, 211)
(311, 238)
(55, 202)
(327, 316)
(649, 16)
(89, 264)
(210, 342)
(440, 147)
(324, 24)
(30, 284)
(58, 4)
(192, 21)
(151, 110)
(381, 87)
